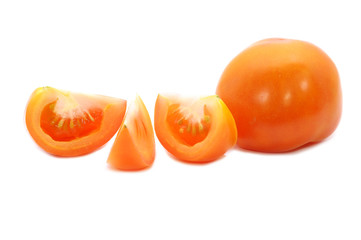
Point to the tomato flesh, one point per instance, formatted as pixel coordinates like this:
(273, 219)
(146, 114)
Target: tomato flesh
(186, 127)
(75, 123)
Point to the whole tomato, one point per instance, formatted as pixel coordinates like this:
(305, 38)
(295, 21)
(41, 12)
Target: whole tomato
(283, 94)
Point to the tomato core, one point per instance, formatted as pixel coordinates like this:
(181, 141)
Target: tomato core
(74, 123)
(187, 126)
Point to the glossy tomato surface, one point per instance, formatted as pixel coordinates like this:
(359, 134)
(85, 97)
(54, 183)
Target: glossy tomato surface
(283, 94)
(134, 146)
(72, 124)
(194, 130)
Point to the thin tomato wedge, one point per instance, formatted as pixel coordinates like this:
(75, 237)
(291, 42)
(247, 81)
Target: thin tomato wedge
(194, 130)
(134, 146)
(71, 124)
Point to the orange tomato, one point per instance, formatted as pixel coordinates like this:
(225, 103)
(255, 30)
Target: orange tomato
(283, 94)
(134, 146)
(71, 124)
(200, 130)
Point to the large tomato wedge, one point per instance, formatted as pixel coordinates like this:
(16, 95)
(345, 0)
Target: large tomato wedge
(71, 124)
(283, 94)
(134, 146)
(200, 130)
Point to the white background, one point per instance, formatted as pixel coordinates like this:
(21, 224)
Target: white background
(120, 48)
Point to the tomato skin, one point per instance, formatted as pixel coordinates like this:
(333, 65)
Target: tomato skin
(221, 137)
(283, 94)
(113, 111)
(134, 146)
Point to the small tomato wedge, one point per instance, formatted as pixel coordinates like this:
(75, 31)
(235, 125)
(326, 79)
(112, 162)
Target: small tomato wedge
(70, 124)
(134, 146)
(194, 130)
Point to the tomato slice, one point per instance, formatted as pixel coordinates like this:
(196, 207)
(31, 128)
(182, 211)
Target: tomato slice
(200, 130)
(134, 146)
(71, 124)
